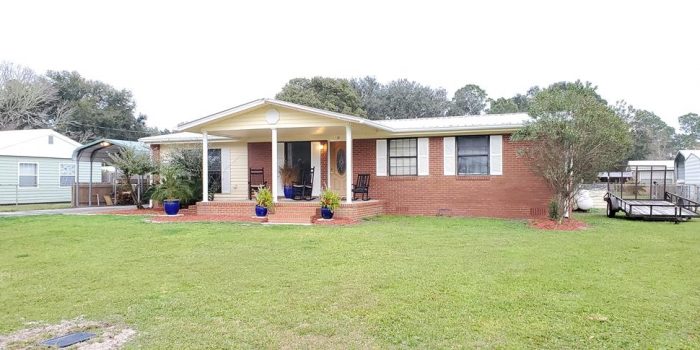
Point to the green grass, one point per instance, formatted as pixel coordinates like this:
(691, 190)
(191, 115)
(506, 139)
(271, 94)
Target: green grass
(389, 282)
(43, 206)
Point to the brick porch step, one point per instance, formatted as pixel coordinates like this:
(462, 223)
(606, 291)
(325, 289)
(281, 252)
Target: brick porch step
(285, 214)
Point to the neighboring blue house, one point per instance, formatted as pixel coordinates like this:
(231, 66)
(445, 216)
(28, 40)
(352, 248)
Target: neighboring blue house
(37, 166)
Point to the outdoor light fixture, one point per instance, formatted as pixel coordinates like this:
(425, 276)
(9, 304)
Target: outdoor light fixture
(104, 143)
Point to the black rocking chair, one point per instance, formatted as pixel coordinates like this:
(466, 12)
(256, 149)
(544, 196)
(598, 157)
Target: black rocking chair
(304, 188)
(362, 186)
(256, 179)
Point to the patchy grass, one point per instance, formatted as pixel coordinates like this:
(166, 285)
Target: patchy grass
(41, 206)
(389, 282)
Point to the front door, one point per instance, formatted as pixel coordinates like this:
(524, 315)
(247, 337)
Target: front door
(338, 166)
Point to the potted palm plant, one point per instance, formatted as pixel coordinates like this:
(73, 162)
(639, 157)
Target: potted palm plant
(330, 201)
(171, 189)
(263, 201)
(288, 175)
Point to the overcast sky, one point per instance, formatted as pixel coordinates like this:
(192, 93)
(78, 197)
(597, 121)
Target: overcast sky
(183, 60)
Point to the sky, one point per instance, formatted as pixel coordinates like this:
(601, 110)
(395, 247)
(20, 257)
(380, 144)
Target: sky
(185, 60)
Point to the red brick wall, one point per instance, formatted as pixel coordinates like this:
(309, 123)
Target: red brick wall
(518, 193)
(260, 156)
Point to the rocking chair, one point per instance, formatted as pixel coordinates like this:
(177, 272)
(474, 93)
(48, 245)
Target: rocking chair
(304, 188)
(361, 186)
(256, 179)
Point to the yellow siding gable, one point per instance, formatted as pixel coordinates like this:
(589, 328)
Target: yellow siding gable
(288, 118)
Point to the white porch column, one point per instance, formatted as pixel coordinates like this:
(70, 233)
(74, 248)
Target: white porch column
(348, 161)
(274, 165)
(205, 166)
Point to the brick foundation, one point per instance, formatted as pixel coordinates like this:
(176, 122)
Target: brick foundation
(293, 212)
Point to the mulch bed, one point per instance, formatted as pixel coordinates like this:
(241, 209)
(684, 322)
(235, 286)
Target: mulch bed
(566, 225)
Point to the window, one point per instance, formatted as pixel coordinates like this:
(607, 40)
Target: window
(473, 155)
(403, 157)
(28, 175)
(66, 174)
(215, 170)
(50, 139)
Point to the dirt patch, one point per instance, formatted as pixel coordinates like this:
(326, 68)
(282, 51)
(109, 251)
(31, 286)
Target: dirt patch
(566, 225)
(109, 336)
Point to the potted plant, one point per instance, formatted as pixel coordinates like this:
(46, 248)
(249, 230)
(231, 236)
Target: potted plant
(288, 175)
(263, 201)
(171, 189)
(330, 201)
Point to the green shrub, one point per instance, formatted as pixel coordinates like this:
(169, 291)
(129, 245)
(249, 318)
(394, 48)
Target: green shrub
(329, 199)
(554, 210)
(263, 198)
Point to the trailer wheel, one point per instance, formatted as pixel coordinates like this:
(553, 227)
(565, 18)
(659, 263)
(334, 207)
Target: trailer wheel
(609, 210)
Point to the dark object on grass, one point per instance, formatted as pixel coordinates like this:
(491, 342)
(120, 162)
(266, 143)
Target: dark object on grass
(68, 340)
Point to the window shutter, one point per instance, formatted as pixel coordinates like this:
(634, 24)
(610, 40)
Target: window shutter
(381, 157)
(448, 144)
(423, 156)
(496, 155)
(225, 170)
(316, 163)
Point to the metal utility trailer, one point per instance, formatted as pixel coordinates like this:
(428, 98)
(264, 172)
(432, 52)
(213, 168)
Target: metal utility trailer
(648, 199)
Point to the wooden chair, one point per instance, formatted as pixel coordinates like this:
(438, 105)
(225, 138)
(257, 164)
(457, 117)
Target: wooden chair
(361, 186)
(304, 188)
(256, 179)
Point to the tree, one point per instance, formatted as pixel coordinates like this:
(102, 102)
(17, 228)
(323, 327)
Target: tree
(468, 100)
(690, 124)
(132, 162)
(369, 90)
(27, 100)
(652, 137)
(572, 137)
(401, 99)
(516, 104)
(336, 95)
(503, 105)
(96, 109)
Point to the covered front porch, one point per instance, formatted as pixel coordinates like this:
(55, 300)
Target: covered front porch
(265, 135)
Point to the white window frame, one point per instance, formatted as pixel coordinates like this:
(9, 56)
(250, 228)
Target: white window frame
(60, 167)
(389, 157)
(19, 174)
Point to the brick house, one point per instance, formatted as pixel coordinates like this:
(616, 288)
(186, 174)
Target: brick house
(465, 165)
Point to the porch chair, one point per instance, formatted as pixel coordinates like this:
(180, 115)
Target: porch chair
(304, 188)
(361, 186)
(256, 179)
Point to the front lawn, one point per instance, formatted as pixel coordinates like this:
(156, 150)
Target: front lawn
(39, 206)
(388, 282)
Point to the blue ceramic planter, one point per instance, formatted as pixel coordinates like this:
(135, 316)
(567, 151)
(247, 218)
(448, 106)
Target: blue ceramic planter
(172, 207)
(326, 213)
(288, 192)
(260, 211)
